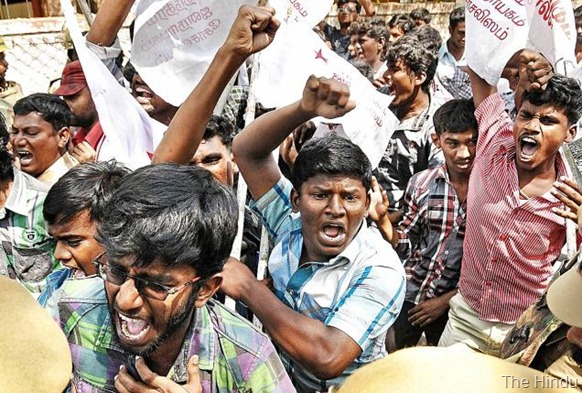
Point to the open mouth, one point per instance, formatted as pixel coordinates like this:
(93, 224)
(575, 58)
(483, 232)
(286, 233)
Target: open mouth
(333, 233)
(25, 157)
(132, 330)
(464, 164)
(528, 146)
(143, 94)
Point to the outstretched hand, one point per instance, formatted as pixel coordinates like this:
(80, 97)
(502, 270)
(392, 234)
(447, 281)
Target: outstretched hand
(326, 97)
(253, 30)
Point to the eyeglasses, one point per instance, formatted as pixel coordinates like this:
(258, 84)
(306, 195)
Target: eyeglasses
(347, 9)
(147, 288)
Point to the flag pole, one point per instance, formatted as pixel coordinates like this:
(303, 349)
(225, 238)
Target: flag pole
(84, 6)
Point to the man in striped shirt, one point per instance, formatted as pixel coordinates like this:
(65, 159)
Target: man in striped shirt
(429, 239)
(517, 192)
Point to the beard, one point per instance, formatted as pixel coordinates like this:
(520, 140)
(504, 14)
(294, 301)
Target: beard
(174, 323)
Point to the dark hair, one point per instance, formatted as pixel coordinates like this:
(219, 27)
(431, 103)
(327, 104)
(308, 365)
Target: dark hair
(561, 92)
(375, 31)
(403, 21)
(416, 56)
(129, 71)
(429, 37)
(176, 213)
(455, 116)
(220, 127)
(6, 159)
(457, 16)
(421, 14)
(331, 155)
(342, 2)
(369, 28)
(87, 186)
(50, 107)
(578, 12)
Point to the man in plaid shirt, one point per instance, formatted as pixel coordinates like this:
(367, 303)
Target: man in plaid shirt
(429, 239)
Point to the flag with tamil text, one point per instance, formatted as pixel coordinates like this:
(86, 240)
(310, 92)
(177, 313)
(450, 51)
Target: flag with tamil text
(496, 29)
(176, 40)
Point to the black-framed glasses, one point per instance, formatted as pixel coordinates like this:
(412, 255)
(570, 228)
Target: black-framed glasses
(147, 288)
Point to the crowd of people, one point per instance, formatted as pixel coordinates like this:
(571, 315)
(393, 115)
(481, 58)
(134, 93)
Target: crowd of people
(457, 239)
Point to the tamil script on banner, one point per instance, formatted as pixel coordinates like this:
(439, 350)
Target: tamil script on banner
(295, 54)
(553, 32)
(310, 12)
(130, 133)
(496, 29)
(176, 40)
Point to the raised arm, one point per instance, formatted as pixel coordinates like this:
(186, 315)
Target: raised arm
(252, 31)
(369, 7)
(254, 145)
(480, 88)
(109, 19)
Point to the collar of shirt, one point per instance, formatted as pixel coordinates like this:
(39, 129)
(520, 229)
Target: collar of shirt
(199, 341)
(284, 260)
(58, 168)
(446, 57)
(17, 201)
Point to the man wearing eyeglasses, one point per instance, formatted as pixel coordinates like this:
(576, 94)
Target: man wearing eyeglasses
(147, 319)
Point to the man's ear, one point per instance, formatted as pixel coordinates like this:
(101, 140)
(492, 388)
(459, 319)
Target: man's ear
(436, 140)
(208, 289)
(571, 133)
(63, 137)
(295, 200)
(234, 165)
(419, 78)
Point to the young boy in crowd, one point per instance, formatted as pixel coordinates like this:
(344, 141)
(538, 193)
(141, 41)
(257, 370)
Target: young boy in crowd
(429, 239)
(72, 209)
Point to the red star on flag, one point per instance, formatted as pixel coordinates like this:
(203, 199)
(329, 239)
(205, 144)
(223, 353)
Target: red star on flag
(319, 55)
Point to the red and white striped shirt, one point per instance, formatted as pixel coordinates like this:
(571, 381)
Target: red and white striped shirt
(509, 245)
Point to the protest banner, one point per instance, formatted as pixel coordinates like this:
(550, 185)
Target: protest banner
(553, 32)
(176, 40)
(129, 132)
(496, 29)
(298, 52)
(310, 12)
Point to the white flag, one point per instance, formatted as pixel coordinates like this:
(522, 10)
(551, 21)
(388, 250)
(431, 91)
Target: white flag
(176, 40)
(128, 129)
(496, 29)
(310, 12)
(553, 32)
(295, 54)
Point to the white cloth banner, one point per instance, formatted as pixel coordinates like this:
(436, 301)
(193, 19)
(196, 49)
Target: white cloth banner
(553, 32)
(128, 129)
(298, 52)
(176, 40)
(496, 29)
(310, 12)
